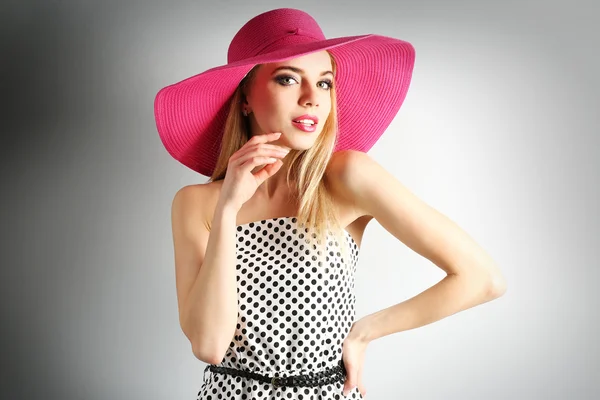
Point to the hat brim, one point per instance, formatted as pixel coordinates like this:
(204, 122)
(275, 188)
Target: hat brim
(372, 79)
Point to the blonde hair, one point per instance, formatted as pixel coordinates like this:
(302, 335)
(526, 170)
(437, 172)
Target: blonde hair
(306, 171)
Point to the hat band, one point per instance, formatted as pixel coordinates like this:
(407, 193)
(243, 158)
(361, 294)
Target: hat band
(286, 41)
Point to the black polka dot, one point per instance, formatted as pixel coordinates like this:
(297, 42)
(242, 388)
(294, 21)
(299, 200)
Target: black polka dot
(294, 311)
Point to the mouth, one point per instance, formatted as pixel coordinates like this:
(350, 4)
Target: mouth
(306, 120)
(305, 127)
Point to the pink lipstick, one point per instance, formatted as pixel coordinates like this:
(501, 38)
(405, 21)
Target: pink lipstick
(306, 123)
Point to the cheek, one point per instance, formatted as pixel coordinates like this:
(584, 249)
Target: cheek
(274, 107)
(266, 102)
(268, 113)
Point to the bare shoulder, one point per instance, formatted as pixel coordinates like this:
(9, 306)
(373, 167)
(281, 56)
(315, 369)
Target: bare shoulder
(191, 213)
(185, 205)
(345, 174)
(195, 202)
(342, 175)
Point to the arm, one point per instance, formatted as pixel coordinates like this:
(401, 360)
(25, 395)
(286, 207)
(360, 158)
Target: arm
(205, 274)
(472, 276)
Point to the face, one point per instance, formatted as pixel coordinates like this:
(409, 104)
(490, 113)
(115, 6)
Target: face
(284, 96)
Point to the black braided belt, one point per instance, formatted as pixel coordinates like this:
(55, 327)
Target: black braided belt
(327, 376)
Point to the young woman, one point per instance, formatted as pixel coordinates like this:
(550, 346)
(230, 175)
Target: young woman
(265, 252)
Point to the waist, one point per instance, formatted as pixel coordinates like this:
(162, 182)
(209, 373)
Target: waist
(332, 374)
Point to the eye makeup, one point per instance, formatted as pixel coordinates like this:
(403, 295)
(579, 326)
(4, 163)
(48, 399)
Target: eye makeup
(281, 79)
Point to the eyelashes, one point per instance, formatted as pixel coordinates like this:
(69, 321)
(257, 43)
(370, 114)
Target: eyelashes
(282, 79)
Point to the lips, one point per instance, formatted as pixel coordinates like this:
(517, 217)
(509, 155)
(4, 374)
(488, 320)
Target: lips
(306, 119)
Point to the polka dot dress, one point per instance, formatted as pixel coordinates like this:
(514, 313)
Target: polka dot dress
(295, 308)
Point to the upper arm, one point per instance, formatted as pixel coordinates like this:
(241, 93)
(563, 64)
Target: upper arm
(423, 229)
(190, 236)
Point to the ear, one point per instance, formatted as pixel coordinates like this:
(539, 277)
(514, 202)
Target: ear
(245, 103)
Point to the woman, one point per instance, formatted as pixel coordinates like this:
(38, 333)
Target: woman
(266, 251)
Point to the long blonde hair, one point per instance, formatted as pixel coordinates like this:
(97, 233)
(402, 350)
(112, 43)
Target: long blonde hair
(306, 171)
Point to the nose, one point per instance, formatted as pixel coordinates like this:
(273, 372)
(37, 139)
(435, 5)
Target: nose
(309, 96)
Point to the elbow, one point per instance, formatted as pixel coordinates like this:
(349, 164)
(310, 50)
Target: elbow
(490, 282)
(205, 347)
(495, 286)
(208, 346)
(484, 287)
(207, 354)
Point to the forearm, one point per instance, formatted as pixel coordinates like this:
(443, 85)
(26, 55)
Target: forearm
(449, 296)
(211, 308)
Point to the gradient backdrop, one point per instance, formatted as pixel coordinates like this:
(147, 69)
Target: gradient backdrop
(499, 131)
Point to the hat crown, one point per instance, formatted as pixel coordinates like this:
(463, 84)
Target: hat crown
(271, 31)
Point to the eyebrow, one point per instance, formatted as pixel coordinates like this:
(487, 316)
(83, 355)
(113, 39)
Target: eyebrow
(297, 70)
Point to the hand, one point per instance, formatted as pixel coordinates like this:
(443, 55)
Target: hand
(353, 356)
(240, 181)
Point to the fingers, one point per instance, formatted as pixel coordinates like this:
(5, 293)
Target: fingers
(351, 379)
(265, 138)
(269, 170)
(253, 160)
(258, 141)
(257, 148)
(260, 157)
(361, 386)
(354, 379)
(261, 139)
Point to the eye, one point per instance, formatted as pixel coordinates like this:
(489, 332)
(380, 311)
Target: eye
(283, 79)
(328, 82)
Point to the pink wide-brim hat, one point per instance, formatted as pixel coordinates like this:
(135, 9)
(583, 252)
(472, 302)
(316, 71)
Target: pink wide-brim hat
(372, 78)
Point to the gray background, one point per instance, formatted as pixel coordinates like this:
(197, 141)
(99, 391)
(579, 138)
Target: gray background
(499, 131)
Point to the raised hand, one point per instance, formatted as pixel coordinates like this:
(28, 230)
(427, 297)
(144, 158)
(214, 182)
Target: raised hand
(240, 181)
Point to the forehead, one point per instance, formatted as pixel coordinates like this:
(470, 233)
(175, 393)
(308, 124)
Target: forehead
(312, 64)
